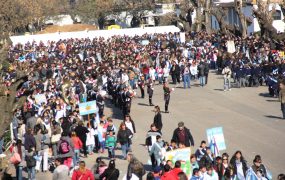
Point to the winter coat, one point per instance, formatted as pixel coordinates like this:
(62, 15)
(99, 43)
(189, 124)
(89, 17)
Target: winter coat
(30, 141)
(123, 136)
(244, 166)
(110, 174)
(157, 121)
(81, 132)
(189, 141)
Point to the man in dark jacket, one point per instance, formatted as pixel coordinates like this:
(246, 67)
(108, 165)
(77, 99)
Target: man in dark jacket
(157, 118)
(175, 73)
(81, 131)
(183, 135)
(201, 73)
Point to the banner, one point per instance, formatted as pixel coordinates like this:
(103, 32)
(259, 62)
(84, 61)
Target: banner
(216, 139)
(40, 98)
(89, 107)
(145, 42)
(182, 37)
(182, 155)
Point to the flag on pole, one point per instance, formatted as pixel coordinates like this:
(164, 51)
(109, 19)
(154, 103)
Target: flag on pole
(213, 146)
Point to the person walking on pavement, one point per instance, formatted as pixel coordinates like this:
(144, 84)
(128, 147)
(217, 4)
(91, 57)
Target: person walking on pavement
(227, 72)
(141, 84)
(282, 98)
(150, 91)
(175, 73)
(201, 73)
(182, 135)
(157, 118)
(186, 76)
(124, 139)
(81, 132)
(167, 92)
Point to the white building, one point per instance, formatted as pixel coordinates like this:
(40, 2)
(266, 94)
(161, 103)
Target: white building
(233, 19)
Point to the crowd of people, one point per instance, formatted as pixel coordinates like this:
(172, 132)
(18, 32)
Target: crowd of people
(49, 132)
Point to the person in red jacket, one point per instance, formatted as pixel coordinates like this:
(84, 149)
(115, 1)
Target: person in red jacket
(77, 146)
(168, 175)
(177, 169)
(82, 173)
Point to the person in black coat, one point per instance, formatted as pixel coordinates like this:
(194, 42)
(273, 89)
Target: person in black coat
(111, 172)
(66, 125)
(150, 92)
(175, 73)
(81, 131)
(157, 118)
(183, 135)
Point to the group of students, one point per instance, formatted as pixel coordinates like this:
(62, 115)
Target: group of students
(65, 73)
(204, 164)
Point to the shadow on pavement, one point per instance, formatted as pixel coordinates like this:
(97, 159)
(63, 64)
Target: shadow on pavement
(218, 89)
(143, 104)
(265, 95)
(116, 112)
(273, 117)
(272, 100)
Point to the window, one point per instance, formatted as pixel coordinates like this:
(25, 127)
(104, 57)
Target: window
(277, 15)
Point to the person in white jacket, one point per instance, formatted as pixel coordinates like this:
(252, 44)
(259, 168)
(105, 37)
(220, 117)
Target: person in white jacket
(211, 174)
(90, 139)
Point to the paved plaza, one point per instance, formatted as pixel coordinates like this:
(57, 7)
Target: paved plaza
(249, 117)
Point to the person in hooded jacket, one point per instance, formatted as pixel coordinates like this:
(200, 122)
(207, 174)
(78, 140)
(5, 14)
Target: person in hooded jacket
(111, 173)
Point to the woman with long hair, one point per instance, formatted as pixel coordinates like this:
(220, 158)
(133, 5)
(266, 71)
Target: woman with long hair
(77, 146)
(124, 139)
(239, 165)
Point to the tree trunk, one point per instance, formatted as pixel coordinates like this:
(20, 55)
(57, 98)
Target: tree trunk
(265, 20)
(242, 18)
(9, 103)
(208, 17)
(199, 17)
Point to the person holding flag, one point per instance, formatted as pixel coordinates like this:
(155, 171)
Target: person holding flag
(259, 169)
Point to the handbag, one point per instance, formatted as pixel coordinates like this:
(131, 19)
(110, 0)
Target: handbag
(16, 158)
(55, 138)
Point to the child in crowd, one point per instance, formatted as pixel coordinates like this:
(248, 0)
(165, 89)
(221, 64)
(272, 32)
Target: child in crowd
(111, 144)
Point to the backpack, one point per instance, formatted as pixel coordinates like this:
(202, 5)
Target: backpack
(64, 147)
(30, 161)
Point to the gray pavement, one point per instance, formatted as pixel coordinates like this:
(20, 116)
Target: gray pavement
(249, 118)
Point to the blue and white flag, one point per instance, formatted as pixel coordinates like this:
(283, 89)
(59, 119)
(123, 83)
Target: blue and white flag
(250, 175)
(213, 146)
(216, 139)
(89, 107)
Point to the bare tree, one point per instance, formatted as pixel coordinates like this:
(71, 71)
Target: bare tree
(244, 21)
(265, 19)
